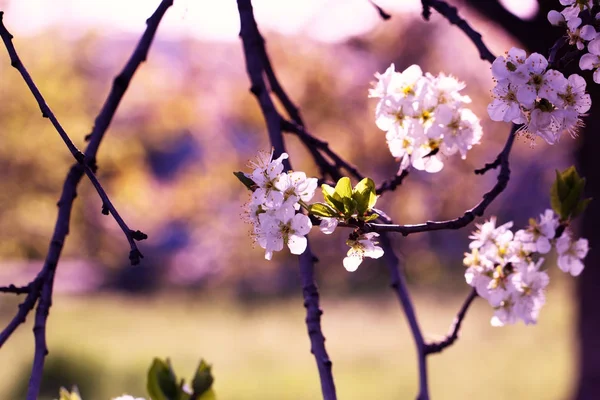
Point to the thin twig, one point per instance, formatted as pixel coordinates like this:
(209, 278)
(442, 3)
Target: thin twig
(39, 333)
(437, 347)
(254, 52)
(469, 215)
(391, 184)
(313, 324)
(400, 288)
(77, 154)
(451, 14)
(24, 308)
(320, 144)
(15, 289)
(384, 15)
(42, 285)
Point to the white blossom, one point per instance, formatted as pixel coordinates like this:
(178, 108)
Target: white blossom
(591, 60)
(328, 225)
(363, 246)
(556, 18)
(128, 397)
(274, 202)
(424, 117)
(545, 102)
(570, 253)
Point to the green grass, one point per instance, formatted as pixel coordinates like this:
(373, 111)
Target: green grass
(262, 352)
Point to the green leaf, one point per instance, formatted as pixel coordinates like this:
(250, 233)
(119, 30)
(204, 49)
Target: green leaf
(162, 383)
(249, 183)
(349, 206)
(66, 395)
(322, 210)
(581, 206)
(555, 195)
(371, 217)
(203, 379)
(570, 176)
(332, 198)
(343, 188)
(364, 195)
(209, 395)
(570, 202)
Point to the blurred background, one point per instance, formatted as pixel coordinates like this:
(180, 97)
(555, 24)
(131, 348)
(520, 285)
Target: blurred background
(203, 289)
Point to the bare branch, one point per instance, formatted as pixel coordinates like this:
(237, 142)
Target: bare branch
(312, 141)
(469, 215)
(15, 289)
(437, 347)
(391, 184)
(400, 288)
(313, 324)
(78, 155)
(384, 15)
(24, 308)
(41, 287)
(451, 14)
(255, 56)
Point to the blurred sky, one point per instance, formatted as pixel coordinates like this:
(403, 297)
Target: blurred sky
(215, 20)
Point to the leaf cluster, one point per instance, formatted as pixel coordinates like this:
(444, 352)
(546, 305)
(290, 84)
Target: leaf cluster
(163, 383)
(566, 194)
(344, 202)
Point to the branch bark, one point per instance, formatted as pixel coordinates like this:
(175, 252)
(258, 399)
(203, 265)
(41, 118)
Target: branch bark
(255, 56)
(40, 289)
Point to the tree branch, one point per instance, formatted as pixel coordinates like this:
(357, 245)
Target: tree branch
(312, 141)
(437, 347)
(254, 53)
(384, 15)
(391, 184)
(135, 254)
(41, 287)
(451, 14)
(313, 324)
(15, 289)
(400, 288)
(469, 215)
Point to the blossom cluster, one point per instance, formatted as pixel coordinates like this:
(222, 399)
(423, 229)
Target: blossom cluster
(502, 267)
(272, 208)
(580, 35)
(529, 93)
(424, 116)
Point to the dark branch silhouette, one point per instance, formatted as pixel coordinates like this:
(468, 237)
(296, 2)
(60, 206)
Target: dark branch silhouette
(15, 289)
(451, 14)
(437, 347)
(254, 53)
(41, 287)
(15, 61)
(469, 215)
(398, 284)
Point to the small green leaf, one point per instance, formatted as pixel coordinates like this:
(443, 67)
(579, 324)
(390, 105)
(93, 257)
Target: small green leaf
(364, 195)
(343, 188)
(249, 183)
(322, 210)
(66, 395)
(581, 206)
(162, 383)
(554, 195)
(203, 379)
(570, 202)
(332, 198)
(349, 206)
(371, 217)
(209, 395)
